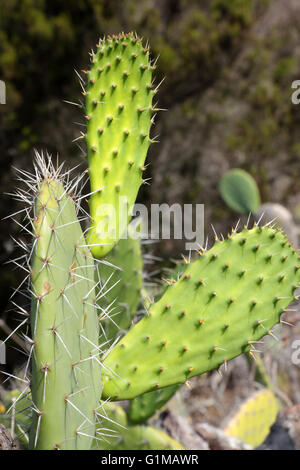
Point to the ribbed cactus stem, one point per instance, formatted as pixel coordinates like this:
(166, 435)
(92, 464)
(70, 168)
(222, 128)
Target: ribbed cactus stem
(66, 373)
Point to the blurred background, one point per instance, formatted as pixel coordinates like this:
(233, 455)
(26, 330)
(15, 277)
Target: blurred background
(227, 66)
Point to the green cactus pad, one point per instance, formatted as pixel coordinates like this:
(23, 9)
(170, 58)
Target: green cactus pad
(224, 302)
(144, 406)
(240, 192)
(126, 437)
(66, 372)
(122, 280)
(119, 112)
(253, 421)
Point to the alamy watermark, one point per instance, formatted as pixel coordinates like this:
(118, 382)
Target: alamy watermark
(2, 92)
(296, 354)
(160, 222)
(296, 95)
(2, 353)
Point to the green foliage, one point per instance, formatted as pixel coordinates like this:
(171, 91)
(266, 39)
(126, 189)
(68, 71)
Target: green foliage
(224, 302)
(66, 373)
(240, 192)
(239, 11)
(252, 423)
(118, 111)
(123, 436)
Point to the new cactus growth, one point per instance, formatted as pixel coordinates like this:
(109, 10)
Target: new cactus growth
(119, 114)
(66, 373)
(126, 437)
(224, 302)
(240, 192)
(252, 423)
(121, 280)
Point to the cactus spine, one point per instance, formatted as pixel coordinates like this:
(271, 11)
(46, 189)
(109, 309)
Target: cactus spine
(127, 437)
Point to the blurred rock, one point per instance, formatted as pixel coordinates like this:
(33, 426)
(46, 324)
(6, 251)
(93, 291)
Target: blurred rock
(178, 427)
(217, 440)
(6, 442)
(282, 217)
(285, 433)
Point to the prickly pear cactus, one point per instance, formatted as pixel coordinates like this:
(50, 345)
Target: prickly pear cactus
(222, 305)
(253, 421)
(66, 373)
(240, 192)
(119, 114)
(126, 437)
(121, 280)
(144, 406)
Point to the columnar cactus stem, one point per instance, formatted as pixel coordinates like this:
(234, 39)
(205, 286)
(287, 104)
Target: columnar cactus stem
(66, 373)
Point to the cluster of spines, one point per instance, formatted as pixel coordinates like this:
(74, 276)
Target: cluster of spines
(105, 48)
(64, 325)
(121, 435)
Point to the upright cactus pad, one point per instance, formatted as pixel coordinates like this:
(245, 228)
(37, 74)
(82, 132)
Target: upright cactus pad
(224, 302)
(125, 437)
(253, 421)
(119, 113)
(66, 373)
(240, 192)
(122, 281)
